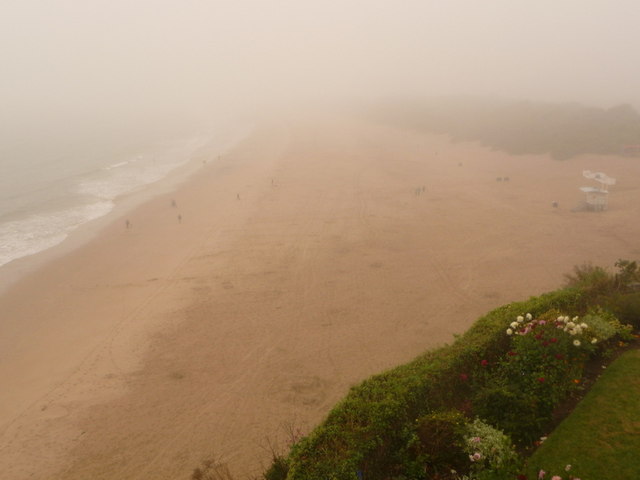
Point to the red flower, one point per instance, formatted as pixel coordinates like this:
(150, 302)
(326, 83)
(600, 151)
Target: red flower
(484, 363)
(541, 379)
(512, 353)
(521, 477)
(559, 356)
(464, 377)
(554, 340)
(538, 336)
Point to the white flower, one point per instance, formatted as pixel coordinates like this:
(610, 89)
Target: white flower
(571, 324)
(594, 340)
(529, 317)
(575, 319)
(560, 318)
(509, 331)
(584, 325)
(567, 468)
(571, 331)
(520, 318)
(576, 342)
(514, 325)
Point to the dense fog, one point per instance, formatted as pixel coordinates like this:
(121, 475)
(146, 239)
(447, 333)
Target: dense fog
(108, 65)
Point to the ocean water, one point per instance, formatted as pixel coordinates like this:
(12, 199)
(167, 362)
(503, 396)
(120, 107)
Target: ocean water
(46, 193)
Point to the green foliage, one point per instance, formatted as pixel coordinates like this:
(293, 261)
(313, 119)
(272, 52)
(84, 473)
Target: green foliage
(602, 329)
(545, 360)
(211, 470)
(368, 431)
(278, 469)
(597, 285)
(392, 425)
(601, 438)
(490, 451)
(439, 443)
(562, 130)
(628, 273)
(593, 281)
(514, 411)
(626, 307)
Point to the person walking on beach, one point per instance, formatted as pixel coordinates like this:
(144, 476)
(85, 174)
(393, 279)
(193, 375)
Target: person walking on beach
(179, 218)
(127, 224)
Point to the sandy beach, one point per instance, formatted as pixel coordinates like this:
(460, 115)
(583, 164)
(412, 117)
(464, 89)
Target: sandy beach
(313, 255)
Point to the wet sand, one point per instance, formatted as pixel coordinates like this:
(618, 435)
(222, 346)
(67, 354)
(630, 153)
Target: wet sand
(312, 256)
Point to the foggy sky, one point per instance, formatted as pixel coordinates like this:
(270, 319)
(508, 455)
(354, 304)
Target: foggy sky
(144, 60)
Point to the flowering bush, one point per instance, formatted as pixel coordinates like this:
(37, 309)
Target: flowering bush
(544, 362)
(490, 451)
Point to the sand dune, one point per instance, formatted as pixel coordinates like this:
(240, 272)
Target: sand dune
(305, 261)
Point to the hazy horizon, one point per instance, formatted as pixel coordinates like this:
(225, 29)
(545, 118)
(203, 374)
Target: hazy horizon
(114, 65)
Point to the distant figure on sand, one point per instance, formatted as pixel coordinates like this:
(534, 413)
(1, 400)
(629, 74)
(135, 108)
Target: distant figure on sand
(173, 203)
(179, 218)
(554, 204)
(127, 224)
(238, 196)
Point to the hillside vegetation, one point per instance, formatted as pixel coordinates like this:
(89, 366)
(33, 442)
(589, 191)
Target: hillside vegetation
(476, 409)
(561, 130)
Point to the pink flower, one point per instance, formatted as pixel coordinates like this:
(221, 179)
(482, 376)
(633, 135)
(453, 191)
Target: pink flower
(541, 474)
(556, 477)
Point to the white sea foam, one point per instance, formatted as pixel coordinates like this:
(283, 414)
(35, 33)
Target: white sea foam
(38, 232)
(70, 194)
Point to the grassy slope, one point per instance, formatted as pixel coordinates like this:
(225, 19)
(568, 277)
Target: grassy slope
(601, 438)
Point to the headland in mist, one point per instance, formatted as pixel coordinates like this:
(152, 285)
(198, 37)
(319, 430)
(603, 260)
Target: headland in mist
(562, 130)
(318, 252)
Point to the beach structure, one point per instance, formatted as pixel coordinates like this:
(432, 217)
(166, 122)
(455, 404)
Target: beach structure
(597, 197)
(631, 150)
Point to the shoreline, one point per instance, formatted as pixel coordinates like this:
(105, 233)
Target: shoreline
(210, 334)
(211, 151)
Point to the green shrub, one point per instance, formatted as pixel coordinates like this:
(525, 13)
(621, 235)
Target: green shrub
(593, 281)
(490, 451)
(626, 307)
(278, 470)
(546, 355)
(511, 410)
(371, 430)
(439, 444)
